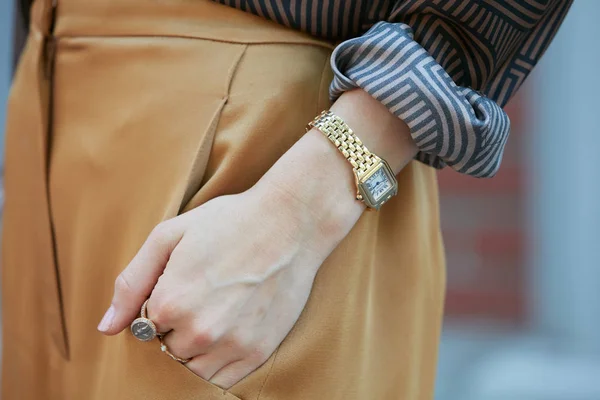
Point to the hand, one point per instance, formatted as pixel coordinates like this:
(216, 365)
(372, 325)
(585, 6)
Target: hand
(228, 280)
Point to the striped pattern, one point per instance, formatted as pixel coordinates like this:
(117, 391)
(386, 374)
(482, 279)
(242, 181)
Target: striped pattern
(451, 125)
(445, 67)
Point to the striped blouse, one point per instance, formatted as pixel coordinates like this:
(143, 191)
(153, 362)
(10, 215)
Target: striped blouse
(445, 67)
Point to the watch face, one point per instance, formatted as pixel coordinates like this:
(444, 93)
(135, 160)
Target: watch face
(378, 184)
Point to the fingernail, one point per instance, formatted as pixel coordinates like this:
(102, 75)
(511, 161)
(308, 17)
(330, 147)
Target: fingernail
(107, 320)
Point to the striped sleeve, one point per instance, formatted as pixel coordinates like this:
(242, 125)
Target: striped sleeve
(447, 71)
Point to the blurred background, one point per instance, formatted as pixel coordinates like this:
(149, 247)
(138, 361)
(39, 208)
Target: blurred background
(523, 303)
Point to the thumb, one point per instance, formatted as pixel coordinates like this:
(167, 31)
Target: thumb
(134, 285)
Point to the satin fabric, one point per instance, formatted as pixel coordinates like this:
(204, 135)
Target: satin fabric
(151, 115)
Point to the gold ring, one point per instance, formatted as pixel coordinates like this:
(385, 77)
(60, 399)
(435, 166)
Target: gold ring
(143, 328)
(165, 350)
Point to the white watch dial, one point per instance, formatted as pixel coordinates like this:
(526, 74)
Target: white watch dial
(378, 184)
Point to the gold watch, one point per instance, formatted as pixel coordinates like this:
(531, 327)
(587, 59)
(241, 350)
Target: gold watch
(375, 180)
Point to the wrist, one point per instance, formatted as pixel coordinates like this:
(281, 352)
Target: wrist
(381, 131)
(314, 182)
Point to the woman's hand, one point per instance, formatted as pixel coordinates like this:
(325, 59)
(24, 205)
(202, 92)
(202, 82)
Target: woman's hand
(229, 279)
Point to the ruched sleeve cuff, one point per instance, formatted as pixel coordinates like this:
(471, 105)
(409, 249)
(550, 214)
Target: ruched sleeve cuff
(451, 125)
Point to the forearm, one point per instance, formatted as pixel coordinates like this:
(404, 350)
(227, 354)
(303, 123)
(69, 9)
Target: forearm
(316, 175)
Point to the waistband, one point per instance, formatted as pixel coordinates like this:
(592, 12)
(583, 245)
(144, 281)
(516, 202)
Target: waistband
(194, 19)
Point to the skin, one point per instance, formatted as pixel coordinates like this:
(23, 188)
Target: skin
(229, 298)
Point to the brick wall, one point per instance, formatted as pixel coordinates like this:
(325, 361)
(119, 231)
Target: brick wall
(483, 231)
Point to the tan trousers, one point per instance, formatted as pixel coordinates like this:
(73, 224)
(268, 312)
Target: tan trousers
(146, 109)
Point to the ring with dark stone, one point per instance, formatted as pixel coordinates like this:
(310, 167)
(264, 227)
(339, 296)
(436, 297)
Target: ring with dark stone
(143, 329)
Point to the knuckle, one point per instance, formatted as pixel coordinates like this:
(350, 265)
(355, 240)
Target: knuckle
(161, 310)
(203, 337)
(259, 355)
(123, 284)
(161, 232)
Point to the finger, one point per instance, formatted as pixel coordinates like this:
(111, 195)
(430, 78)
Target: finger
(170, 304)
(135, 283)
(234, 372)
(206, 365)
(191, 341)
(162, 314)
